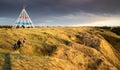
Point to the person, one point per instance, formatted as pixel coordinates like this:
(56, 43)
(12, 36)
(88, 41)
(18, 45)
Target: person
(15, 46)
(24, 40)
(19, 43)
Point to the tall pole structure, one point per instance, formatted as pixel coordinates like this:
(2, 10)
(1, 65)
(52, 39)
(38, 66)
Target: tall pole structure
(24, 20)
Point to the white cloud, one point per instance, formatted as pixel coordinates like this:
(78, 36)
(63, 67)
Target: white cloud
(104, 23)
(2, 18)
(7, 21)
(82, 18)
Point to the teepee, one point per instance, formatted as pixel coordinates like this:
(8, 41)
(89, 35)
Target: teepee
(24, 20)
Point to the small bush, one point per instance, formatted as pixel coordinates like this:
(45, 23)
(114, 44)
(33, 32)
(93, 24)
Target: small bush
(47, 49)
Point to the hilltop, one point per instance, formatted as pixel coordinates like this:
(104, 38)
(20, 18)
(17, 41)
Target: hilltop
(60, 48)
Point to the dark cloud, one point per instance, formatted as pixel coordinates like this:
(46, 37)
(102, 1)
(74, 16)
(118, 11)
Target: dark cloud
(48, 8)
(62, 6)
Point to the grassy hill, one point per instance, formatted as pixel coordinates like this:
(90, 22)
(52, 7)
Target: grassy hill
(60, 48)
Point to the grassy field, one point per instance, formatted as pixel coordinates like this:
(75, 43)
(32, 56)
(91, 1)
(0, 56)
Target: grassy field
(60, 48)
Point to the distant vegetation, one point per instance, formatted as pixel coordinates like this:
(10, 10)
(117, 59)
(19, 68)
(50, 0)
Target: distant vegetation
(116, 30)
(113, 29)
(6, 26)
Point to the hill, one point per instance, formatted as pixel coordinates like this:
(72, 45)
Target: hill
(60, 48)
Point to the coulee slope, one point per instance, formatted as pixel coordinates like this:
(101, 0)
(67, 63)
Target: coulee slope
(60, 48)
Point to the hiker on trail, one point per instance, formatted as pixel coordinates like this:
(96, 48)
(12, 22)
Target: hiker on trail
(19, 43)
(15, 46)
(24, 40)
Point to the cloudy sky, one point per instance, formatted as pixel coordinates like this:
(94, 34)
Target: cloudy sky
(63, 12)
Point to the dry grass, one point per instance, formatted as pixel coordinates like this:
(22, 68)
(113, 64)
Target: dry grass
(61, 48)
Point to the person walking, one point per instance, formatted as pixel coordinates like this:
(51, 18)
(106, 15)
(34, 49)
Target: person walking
(15, 46)
(24, 41)
(19, 43)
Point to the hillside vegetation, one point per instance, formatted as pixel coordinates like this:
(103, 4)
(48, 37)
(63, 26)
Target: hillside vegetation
(60, 48)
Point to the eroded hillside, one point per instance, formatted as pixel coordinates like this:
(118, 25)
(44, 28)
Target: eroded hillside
(60, 48)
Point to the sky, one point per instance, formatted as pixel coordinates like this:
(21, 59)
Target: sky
(63, 12)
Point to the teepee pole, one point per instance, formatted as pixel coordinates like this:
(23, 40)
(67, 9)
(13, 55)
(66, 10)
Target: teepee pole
(24, 20)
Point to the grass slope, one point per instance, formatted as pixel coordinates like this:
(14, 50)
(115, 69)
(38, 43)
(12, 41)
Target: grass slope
(61, 48)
